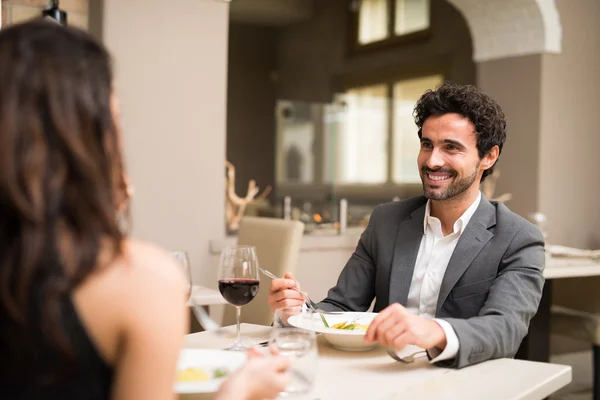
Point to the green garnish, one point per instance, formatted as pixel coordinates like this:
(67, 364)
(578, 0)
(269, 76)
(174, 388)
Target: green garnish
(324, 320)
(220, 372)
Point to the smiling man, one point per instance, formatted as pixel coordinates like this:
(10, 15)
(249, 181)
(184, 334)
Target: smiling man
(450, 271)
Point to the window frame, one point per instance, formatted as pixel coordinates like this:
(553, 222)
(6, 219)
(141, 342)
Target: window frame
(389, 76)
(319, 189)
(392, 39)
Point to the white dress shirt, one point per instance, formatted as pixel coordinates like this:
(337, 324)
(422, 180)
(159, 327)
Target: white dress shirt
(434, 254)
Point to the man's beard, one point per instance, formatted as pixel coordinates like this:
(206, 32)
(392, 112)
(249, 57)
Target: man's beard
(451, 190)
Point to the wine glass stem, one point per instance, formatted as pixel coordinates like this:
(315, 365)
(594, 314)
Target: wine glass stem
(238, 313)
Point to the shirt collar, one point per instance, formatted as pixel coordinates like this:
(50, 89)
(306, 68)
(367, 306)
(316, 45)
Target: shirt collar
(461, 223)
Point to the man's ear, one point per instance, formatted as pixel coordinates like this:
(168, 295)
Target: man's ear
(490, 158)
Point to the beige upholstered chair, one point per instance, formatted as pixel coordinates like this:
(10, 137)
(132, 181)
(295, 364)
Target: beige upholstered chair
(277, 243)
(576, 314)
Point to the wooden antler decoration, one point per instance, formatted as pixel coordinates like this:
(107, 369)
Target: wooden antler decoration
(489, 187)
(235, 205)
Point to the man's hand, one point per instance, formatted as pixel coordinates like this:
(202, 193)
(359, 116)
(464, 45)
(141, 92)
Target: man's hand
(396, 327)
(281, 294)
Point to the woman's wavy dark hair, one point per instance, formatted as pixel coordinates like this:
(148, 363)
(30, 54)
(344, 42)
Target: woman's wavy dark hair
(471, 103)
(61, 176)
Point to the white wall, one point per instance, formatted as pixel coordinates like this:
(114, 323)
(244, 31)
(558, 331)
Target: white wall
(570, 165)
(171, 68)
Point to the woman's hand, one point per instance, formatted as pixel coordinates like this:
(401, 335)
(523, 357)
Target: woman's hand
(261, 378)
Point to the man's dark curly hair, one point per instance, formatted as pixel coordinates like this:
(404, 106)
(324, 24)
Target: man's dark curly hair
(472, 103)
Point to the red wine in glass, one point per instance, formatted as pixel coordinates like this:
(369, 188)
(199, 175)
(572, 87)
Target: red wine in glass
(238, 281)
(238, 291)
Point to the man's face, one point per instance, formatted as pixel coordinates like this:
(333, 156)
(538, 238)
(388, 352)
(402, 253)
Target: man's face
(448, 161)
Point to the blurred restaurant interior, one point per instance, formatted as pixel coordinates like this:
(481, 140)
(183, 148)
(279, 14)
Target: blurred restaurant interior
(303, 110)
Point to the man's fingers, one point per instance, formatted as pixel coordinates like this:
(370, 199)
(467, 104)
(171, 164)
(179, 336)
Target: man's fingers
(370, 335)
(384, 327)
(281, 284)
(282, 300)
(394, 312)
(388, 337)
(281, 295)
(286, 294)
(279, 300)
(290, 276)
(287, 303)
(400, 341)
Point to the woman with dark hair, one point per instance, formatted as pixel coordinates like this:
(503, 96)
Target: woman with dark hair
(85, 312)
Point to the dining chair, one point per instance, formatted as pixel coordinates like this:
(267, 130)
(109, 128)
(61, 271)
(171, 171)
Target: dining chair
(575, 313)
(277, 243)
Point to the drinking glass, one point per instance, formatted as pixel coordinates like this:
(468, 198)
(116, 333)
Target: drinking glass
(184, 261)
(294, 336)
(238, 281)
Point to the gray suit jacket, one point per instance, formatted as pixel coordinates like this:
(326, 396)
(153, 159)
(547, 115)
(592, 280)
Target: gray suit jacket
(490, 291)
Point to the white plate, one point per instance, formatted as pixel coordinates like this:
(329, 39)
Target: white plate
(207, 360)
(339, 338)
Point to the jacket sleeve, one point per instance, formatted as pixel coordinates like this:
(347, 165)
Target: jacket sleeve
(355, 288)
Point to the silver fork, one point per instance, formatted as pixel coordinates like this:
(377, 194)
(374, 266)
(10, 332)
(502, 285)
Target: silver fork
(309, 301)
(408, 359)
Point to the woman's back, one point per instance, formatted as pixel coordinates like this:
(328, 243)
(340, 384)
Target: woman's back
(47, 375)
(85, 313)
(129, 312)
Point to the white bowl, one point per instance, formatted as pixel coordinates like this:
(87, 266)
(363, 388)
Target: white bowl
(339, 338)
(207, 360)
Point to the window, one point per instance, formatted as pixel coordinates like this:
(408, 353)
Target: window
(367, 136)
(411, 16)
(356, 137)
(372, 21)
(404, 132)
(295, 140)
(372, 137)
(362, 146)
(381, 22)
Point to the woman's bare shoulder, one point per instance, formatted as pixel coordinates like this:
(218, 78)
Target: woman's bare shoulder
(146, 268)
(148, 256)
(130, 294)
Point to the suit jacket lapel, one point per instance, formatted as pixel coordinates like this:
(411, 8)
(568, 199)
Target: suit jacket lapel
(471, 242)
(408, 240)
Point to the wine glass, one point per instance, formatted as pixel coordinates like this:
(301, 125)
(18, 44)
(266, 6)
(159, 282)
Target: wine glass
(238, 281)
(184, 261)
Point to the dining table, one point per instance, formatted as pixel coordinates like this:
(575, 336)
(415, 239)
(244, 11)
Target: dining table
(374, 375)
(204, 296)
(535, 346)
